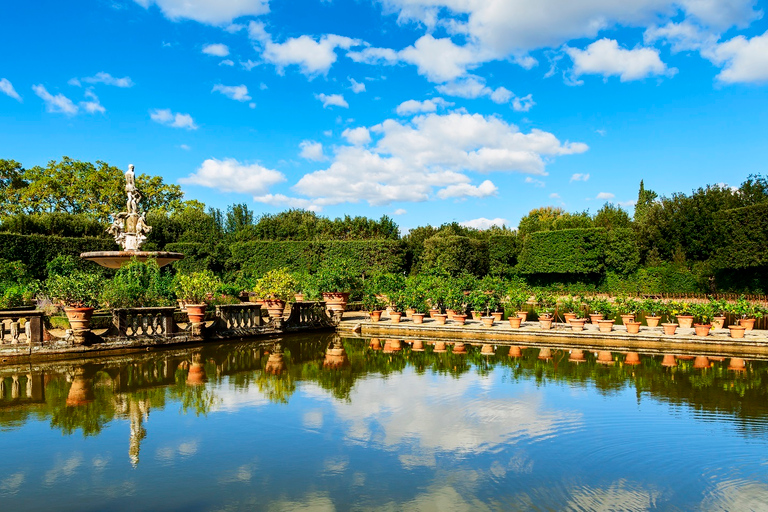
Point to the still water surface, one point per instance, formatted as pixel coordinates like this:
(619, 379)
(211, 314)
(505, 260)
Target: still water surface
(212, 428)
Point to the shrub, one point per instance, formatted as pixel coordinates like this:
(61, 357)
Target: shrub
(139, 284)
(569, 251)
(195, 288)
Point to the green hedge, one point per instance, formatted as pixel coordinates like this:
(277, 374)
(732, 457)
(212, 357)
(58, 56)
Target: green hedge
(568, 251)
(503, 252)
(35, 251)
(622, 255)
(259, 257)
(455, 254)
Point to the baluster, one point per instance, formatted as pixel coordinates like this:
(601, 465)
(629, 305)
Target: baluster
(134, 323)
(2, 332)
(15, 332)
(15, 387)
(145, 323)
(159, 324)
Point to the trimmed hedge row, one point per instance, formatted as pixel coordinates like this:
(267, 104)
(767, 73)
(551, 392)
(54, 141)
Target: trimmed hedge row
(744, 237)
(35, 251)
(259, 257)
(503, 252)
(455, 254)
(568, 251)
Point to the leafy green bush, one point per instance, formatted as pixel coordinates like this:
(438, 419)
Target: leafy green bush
(455, 255)
(337, 275)
(76, 289)
(139, 284)
(503, 252)
(276, 284)
(569, 251)
(195, 288)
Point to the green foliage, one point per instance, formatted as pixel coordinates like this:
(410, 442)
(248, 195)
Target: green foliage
(621, 253)
(612, 217)
(570, 304)
(546, 303)
(503, 252)
(551, 218)
(194, 288)
(302, 225)
(626, 305)
(571, 251)
(75, 289)
(517, 297)
(744, 233)
(54, 223)
(600, 305)
(139, 284)
(337, 275)
(276, 284)
(455, 254)
(652, 307)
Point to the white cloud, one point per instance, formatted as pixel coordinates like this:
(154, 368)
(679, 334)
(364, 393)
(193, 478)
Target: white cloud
(535, 182)
(332, 100)
(216, 49)
(74, 82)
(440, 60)
(400, 211)
(374, 56)
(502, 95)
(281, 200)
(483, 223)
(233, 92)
(311, 150)
(357, 136)
(605, 196)
(311, 56)
(168, 118)
(58, 104)
(744, 60)
(417, 107)
(107, 79)
(6, 87)
(184, 147)
(229, 175)
(605, 57)
(523, 104)
(579, 177)
(227, 62)
(461, 190)
(431, 152)
(554, 195)
(219, 12)
(92, 105)
(357, 87)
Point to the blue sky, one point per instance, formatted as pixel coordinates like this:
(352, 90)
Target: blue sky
(429, 111)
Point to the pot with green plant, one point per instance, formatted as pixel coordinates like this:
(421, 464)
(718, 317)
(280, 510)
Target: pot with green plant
(517, 298)
(336, 280)
(684, 314)
(546, 305)
(374, 306)
(455, 302)
(79, 292)
(277, 287)
(747, 313)
(596, 307)
(652, 309)
(570, 307)
(626, 308)
(608, 310)
(194, 289)
(704, 313)
(670, 311)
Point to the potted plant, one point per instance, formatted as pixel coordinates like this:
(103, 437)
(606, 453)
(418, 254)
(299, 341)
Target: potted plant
(194, 289)
(335, 279)
(374, 306)
(79, 292)
(704, 313)
(683, 313)
(626, 307)
(608, 310)
(652, 309)
(719, 312)
(570, 308)
(670, 311)
(545, 309)
(276, 288)
(397, 299)
(597, 307)
(455, 302)
(517, 298)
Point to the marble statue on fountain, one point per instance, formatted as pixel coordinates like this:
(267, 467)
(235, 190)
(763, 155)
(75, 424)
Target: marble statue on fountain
(130, 228)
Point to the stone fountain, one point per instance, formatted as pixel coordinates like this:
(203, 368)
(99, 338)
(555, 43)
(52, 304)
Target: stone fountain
(130, 230)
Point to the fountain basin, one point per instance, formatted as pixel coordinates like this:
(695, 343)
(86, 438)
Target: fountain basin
(117, 259)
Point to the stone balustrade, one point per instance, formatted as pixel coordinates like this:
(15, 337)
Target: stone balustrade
(132, 322)
(238, 316)
(308, 314)
(11, 330)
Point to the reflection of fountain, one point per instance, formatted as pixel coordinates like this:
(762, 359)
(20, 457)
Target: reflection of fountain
(130, 231)
(335, 356)
(138, 412)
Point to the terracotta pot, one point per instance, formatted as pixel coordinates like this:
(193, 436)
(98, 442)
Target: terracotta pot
(440, 319)
(545, 323)
(81, 391)
(488, 350)
(439, 347)
(459, 348)
(633, 358)
(652, 321)
(669, 360)
(737, 331)
(433, 312)
(702, 329)
(632, 327)
(595, 317)
(605, 325)
(418, 318)
(275, 307)
(196, 313)
(701, 362)
(515, 352)
(523, 315)
(393, 346)
(577, 355)
(685, 321)
(451, 313)
(515, 321)
(375, 315)
(395, 317)
(460, 319)
(477, 315)
(669, 329)
(577, 324)
(605, 357)
(568, 317)
(747, 323)
(336, 301)
(498, 315)
(545, 353)
(737, 364)
(409, 313)
(79, 318)
(298, 297)
(627, 318)
(488, 321)
(718, 322)
(418, 346)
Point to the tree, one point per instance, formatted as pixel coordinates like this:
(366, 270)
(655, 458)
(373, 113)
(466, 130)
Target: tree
(551, 218)
(612, 217)
(645, 199)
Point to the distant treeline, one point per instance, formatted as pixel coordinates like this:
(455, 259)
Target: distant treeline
(714, 239)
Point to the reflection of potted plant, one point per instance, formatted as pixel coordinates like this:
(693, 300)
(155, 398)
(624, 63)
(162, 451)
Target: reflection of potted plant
(79, 291)
(194, 289)
(276, 287)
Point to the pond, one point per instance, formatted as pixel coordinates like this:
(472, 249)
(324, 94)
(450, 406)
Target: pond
(323, 423)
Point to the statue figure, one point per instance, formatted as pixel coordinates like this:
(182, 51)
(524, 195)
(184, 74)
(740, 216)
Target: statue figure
(133, 201)
(130, 228)
(130, 184)
(141, 226)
